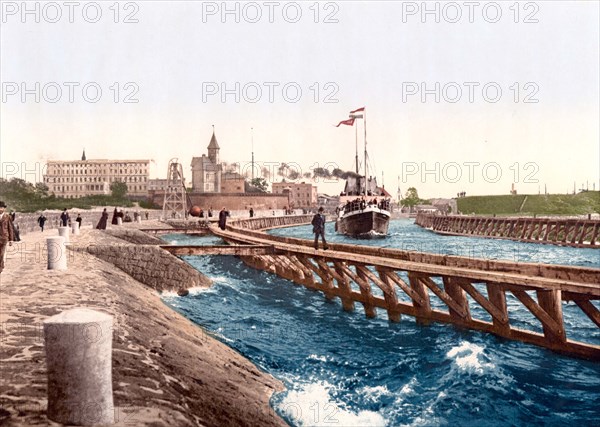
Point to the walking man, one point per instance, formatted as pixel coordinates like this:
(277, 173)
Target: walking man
(42, 221)
(318, 223)
(6, 233)
(64, 217)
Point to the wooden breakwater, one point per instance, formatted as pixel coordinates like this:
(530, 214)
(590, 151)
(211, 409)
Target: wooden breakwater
(477, 294)
(580, 233)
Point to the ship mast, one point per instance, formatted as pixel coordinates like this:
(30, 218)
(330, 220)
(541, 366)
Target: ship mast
(365, 126)
(356, 145)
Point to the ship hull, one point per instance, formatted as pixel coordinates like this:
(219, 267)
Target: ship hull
(364, 224)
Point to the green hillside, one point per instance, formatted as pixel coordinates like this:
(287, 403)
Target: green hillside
(532, 204)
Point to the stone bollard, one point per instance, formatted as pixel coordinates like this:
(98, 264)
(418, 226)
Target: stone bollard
(57, 253)
(75, 227)
(78, 346)
(119, 221)
(139, 220)
(64, 232)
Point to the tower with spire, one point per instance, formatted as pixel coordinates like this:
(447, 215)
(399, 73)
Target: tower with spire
(213, 149)
(83, 158)
(207, 170)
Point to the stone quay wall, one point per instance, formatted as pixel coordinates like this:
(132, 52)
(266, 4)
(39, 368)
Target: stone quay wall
(152, 266)
(232, 201)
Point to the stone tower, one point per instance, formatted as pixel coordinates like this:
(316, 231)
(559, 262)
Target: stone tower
(213, 149)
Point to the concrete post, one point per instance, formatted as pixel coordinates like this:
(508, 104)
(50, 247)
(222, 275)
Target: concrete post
(64, 232)
(75, 227)
(119, 221)
(78, 346)
(57, 253)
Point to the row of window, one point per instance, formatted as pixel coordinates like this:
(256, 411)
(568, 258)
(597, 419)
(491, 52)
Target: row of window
(96, 171)
(63, 188)
(97, 179)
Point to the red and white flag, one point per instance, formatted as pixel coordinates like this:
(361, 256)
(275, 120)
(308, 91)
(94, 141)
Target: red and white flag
(349, 122)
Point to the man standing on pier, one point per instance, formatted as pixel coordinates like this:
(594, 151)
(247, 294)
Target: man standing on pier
(318, 223)
(223, 218)
(6, 233)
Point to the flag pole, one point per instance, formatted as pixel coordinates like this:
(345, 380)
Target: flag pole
(252, 143)
(356, 144)
(365, 126)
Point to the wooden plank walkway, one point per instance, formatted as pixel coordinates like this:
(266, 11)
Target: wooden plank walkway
(239, 250)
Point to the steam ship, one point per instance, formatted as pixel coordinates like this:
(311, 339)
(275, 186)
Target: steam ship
(365, 209)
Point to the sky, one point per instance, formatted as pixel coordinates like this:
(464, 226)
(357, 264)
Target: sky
(459, 96)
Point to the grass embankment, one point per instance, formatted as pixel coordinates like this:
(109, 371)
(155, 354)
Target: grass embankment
(532, 204)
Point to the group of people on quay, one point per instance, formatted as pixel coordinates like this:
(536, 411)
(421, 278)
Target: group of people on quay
(7, 232)
(360, 204)
(118, 214)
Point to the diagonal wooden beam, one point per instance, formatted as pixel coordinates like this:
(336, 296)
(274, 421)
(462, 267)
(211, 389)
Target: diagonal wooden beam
(390, 296)
(447, 299)
(365, 290)
(484, 302)
(548, 322)
(590, 309)
(404, 286)
(344, 286)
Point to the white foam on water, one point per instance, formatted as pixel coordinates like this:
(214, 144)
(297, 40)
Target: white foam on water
(469, 358)
(407, 390)
(168, 294)
(199, 290)
(219, 334)
(317, 357)
(374, 394)
(313, 406)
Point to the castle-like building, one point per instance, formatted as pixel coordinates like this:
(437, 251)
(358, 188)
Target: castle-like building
(213, 186)
(207, 171)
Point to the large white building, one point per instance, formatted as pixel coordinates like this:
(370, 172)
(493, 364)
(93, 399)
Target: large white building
(79, 178)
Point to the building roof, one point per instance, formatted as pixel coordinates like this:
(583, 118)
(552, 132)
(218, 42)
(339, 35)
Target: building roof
(213, 142)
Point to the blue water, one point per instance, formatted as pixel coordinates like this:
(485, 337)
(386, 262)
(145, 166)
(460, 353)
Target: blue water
(342, 369)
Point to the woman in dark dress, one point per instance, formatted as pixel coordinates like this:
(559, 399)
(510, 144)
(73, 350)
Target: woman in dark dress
(103, 220)
(223, 219)
(114, 218)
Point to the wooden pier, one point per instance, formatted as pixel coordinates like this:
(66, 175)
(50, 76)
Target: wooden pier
(239, 250)
(578, 233)
(194, 231)
(471, 293)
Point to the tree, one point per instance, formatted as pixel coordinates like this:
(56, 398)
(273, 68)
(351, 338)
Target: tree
(260, 183)
(41, 189)
(118, 189)
(411, 198)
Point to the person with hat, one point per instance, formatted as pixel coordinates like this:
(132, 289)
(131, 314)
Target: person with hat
(7, 233)
(318, 223)
(223, 218)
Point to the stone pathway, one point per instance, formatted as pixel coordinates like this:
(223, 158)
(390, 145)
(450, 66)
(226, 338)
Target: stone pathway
(166, 371)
